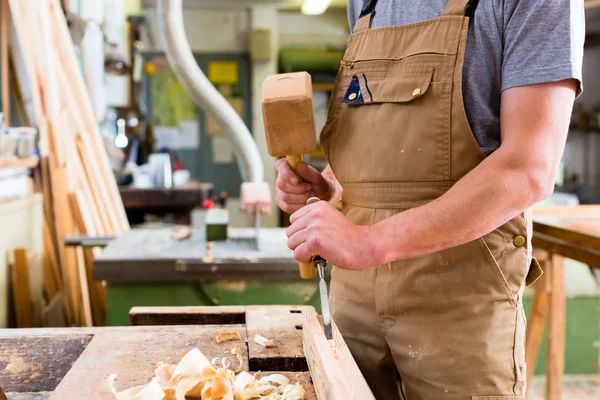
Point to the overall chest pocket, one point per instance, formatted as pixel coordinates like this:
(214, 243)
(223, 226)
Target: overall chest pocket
(392, 124)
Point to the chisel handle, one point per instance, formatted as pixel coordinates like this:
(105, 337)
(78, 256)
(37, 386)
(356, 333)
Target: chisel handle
(307, 271)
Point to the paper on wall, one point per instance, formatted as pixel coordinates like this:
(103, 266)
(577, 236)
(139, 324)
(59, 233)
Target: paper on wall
(222, 152)
(184, 136)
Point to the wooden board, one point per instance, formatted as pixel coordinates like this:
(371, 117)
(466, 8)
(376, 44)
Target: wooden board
(578, 225)
(555, 363)
(284, 326)
(334, 372)
(31, 364)
(20, 288)
(132, 352)
(133, 357)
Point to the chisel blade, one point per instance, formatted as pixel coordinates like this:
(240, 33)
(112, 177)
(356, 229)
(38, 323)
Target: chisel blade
(320, 265)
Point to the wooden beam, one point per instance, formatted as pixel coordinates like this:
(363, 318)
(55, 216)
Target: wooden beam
(83, 223)
(555, 361)
(84, 289)
(95, 148)
(334, 372)
(21, 293)
(4, 39)
(566, 249)
(535, 324)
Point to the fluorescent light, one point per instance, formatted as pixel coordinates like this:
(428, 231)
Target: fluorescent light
(315, 7)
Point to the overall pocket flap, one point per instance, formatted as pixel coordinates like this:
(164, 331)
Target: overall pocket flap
(396, 86)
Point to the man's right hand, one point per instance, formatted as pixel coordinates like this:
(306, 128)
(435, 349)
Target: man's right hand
(293, 194)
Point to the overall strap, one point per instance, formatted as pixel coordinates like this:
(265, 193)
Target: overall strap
(456, 7)
(366, 16)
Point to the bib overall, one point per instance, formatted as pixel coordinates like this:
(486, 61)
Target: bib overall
(448, 325)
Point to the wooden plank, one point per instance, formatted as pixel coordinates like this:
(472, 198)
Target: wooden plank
(54, 312)
(16, 162)
(52, 275)
(97, 289)
(79, 90)
(535, 325)
(555, 361)
(133, 357)
(284, 326)
(334, 372)
(198, 315)
(557, 246)
(4, 39)
(84, 224)
(581, 232)
(28, 396)
(24, 63)
(21, 293)
(32, 364)
(83, 288)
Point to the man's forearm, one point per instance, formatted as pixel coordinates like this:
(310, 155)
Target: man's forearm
(487, 197)
(535, 121)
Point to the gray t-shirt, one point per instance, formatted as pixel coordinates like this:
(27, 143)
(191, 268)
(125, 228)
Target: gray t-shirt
(510, 43)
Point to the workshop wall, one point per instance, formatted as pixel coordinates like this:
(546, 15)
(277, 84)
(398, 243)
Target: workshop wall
(329, 30)
(581, 155)
(209, 30)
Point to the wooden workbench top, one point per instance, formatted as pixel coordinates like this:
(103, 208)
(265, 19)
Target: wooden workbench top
(584, 219)
(570, 231)
(73, 364)
(152, 255)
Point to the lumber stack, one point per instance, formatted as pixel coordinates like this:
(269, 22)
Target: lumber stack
(79, 189)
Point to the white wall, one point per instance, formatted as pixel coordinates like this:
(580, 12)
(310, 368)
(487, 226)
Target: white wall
(327, 30)
(210, 30)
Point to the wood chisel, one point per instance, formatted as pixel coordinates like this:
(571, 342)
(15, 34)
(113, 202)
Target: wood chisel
(320, 265)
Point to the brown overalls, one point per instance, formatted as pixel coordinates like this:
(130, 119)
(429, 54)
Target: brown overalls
(449, 325)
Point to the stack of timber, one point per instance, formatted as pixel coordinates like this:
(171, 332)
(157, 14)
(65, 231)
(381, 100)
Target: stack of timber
(79, 189)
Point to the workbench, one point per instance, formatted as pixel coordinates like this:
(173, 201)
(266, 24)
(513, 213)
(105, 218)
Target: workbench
(146, 267)
(73, 363)
(559, 232)
(179, 201)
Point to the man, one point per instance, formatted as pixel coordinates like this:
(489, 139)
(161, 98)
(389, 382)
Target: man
(447, 121)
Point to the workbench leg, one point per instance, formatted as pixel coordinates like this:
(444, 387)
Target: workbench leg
(555, 357)
(535, 326)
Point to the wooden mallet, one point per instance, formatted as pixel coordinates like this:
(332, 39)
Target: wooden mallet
(290, 124)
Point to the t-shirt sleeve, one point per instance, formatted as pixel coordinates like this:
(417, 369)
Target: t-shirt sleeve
(353, 13)
(543, 42)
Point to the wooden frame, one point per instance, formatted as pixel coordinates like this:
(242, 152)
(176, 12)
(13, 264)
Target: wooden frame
(559, 232)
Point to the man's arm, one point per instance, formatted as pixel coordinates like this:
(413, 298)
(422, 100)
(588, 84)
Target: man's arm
(534, 126)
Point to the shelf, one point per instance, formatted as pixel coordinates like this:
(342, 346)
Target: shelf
(15, 162)
(322, 87)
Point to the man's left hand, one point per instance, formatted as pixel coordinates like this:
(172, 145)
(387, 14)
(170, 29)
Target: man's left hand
(320, 229)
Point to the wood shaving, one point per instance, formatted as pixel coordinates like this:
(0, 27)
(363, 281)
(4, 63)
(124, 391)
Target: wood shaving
(196, 377)
(238, 354)
(225, 336)
(263, 341)
(181, 232)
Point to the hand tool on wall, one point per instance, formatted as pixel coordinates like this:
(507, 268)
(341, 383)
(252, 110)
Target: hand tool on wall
(320, 264)
(289, 123)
